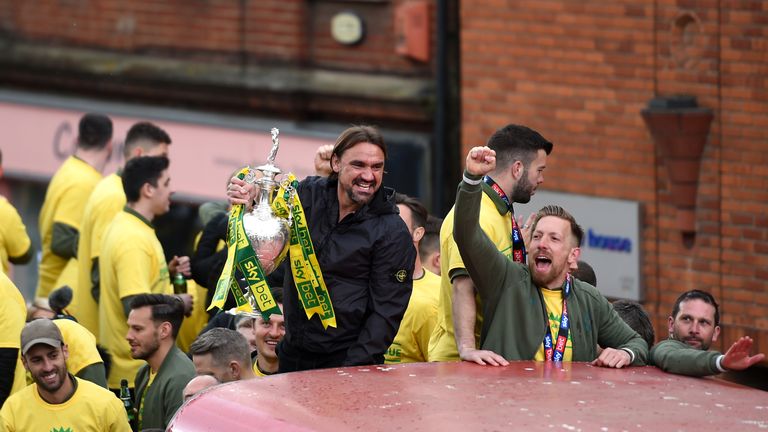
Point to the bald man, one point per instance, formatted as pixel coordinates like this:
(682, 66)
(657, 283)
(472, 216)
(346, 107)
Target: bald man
(198, 384)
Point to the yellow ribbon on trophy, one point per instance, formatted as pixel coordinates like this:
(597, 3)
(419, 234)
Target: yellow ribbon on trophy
(307, 275)
(240, 255)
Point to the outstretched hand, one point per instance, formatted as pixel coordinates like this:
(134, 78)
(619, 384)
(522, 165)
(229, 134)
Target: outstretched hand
(738, 358)
(481, 161)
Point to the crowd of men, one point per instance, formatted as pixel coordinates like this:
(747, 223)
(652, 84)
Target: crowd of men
(398, 285)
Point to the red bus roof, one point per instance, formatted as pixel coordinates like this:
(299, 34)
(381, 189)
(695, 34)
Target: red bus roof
(463, 396)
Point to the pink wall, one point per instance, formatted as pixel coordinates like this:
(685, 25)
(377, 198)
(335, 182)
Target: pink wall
(37, 139)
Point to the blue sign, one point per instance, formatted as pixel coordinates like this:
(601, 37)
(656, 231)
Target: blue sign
(610, 243)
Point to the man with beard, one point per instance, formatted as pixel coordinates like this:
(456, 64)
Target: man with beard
(222, 353)
(693, 326)
(365, 254)
(153, 325)
(57, 400)
(522, 158)
(539, 311)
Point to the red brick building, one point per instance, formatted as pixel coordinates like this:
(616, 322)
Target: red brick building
(321, 64)
(581, 72)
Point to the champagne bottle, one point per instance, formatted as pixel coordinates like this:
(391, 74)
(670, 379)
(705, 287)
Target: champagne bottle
(125, 396)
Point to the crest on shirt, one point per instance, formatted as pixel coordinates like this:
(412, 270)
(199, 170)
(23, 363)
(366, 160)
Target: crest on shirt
(401, 275)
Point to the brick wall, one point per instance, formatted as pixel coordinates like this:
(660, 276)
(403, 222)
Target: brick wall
(581, 72)
(293, 32)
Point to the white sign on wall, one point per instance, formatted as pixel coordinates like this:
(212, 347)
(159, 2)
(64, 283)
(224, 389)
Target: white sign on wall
(611, 242)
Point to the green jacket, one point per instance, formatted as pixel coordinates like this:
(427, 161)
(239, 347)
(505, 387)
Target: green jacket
(165, 394)
(678, 357)
(514, 314)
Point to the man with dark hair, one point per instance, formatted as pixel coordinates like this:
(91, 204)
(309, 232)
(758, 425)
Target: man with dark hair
(412, 340)
(693, 326)
(132, 260)
(635, 316)
(517, 298)
(364, 252)
(153, 325)
(15, 245)
(65, 200)
(106, 201)
(57, 401)
(522, 158)
(223, 353)
(267, 335)
(429, 246)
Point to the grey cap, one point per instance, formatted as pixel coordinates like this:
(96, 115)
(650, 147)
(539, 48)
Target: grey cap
(40, 331)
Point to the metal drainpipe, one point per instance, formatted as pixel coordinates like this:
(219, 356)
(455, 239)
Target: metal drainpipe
(441, 99)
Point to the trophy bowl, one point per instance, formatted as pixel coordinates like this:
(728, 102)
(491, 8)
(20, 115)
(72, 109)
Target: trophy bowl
(268, 234)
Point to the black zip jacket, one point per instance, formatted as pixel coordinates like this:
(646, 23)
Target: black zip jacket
(367, 262)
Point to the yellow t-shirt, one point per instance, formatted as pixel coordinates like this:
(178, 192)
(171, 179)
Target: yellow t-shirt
(91, 408)
(81, 345)
(13, 314)
(14, 241)
(140, 414)
(106, 201)
(553, 301)
(498, 228)
(132, 262)
(258, 372)
(65, 200)
(412, 340)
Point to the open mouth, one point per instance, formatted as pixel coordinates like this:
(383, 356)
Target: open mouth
(543, 263)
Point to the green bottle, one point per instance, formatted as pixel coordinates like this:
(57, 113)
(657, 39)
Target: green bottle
(179, 284)
(125, 396)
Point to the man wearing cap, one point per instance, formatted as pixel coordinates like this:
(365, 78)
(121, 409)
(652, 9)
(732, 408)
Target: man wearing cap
(57, 400)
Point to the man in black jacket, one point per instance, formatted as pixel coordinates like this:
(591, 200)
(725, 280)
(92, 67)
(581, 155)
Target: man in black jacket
(365, 253)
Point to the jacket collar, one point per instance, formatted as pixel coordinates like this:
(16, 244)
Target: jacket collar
(382, 203)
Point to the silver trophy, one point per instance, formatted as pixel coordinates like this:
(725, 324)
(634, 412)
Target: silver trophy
(267, 232)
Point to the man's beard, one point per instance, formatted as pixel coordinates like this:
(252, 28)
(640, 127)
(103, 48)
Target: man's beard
(361, 199)
(543, 280)
(146, 351)
(523, 189)
(60, 373)
(703, 345)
